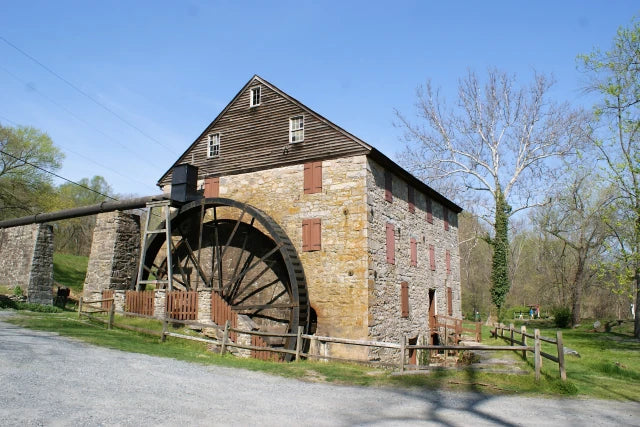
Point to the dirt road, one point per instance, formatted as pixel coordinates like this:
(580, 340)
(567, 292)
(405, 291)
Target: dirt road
(46, 379)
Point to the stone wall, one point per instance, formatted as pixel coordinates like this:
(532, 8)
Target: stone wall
(115, 250)
(336, 275)
(384, 284)
(26, 260)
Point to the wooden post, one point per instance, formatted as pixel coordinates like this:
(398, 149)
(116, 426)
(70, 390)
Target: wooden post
(112, 311)
(79, 307)
(563, 372)
(299, 342)
(165, 327)
(523, 331)
(225, 337)
(478, 332)
(537, 357)
(402, 351)
(511, 327)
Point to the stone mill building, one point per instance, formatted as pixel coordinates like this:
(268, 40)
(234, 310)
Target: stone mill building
(378, 246)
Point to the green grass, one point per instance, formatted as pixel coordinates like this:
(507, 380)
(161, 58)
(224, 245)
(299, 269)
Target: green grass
(609, 362)
(70, 270)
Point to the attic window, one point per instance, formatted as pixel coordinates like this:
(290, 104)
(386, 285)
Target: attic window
(255, 96)
(296, 129)
(213, 149)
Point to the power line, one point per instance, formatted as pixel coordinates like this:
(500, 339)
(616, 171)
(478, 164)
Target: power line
(56, 175)
(77, 89)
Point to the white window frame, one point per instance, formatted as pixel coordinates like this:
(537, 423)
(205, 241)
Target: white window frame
(252, 95)
(297, 131)
(213, 141)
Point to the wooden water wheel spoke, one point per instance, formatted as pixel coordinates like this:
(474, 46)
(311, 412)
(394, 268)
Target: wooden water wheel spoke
(242, 255)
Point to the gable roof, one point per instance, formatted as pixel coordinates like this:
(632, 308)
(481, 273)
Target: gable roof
(358, 146)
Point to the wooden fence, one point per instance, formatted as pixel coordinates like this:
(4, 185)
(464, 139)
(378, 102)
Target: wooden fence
(499, 330)
(182, 305)
(140, 302)
(259, 348)
(453, 329)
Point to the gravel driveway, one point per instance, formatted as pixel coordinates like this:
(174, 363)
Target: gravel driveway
(46, 379)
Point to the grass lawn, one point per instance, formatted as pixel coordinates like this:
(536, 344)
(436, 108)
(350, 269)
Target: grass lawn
(595, 374)
(70, 270)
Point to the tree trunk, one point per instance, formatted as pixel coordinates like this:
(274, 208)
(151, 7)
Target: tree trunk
(577, 290)
(636, 324)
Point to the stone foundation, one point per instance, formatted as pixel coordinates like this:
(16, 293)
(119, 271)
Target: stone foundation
(26, 260)
(115, 250)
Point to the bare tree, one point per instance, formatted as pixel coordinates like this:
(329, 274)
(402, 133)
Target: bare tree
(500, 141)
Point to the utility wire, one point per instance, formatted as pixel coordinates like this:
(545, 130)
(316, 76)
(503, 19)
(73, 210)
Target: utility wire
(87, 158)
(56, 175)
(77, 89)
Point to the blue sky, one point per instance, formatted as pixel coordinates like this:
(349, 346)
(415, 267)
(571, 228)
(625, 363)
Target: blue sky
(167, 68)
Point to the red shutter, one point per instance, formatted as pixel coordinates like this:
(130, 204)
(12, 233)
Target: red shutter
(312, 177)
(448, 261)
(306, 234)
(429, 212)
(414, 253)
(432, 257)
(316, 235)
(308, 178)
(411, 200)
(445, 214)
(317, 177)
(212, 187)
(388, 187)
(450, 301)
(311, 235)
(391, 244)
(404, 299)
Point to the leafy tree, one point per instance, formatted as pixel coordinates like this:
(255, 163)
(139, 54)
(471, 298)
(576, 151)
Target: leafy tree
(615, 77)
(24, 186)
(74, 235)
(577, 218)
(500, 142)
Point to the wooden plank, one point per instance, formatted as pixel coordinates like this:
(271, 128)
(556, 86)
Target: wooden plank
(560, 347)
(350, 341)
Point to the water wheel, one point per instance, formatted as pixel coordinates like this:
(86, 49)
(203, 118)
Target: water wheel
(242, 255)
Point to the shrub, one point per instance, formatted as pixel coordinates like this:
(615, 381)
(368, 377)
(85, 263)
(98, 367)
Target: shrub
(17, 291)
(562, 317)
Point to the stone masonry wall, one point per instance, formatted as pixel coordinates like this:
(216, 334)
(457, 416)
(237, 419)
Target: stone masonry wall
(336, 275)
(26, 260)
(114, 253)
(385, 321)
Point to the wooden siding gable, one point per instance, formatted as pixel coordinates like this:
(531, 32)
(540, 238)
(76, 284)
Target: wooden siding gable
(257, 137)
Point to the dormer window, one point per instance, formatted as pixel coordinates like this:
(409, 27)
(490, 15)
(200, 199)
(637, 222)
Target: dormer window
(255, 97)
(296, 129)
(213, 149)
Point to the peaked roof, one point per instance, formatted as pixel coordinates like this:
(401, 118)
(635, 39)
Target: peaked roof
(370, 150)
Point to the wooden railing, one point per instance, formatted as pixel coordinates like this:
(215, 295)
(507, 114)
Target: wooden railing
(182, 305)
(499, 331)
(454, 328)
(261, 350)
(140, 302)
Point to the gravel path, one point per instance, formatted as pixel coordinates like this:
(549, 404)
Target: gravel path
(46, 379)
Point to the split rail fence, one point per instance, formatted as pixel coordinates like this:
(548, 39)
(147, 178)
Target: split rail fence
(261, 350)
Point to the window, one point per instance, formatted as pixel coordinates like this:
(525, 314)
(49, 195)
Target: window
(404, 299)
(432, 257)
(311, 235)
(388, 186)
(255, 96)
(450, 301)
(429, 212)
(212, 187)
(448, 261)
(213, 149)
(445, 216)
(411, 199)
(414, 253)
(296, 129)
(391, 244)
(313, 177)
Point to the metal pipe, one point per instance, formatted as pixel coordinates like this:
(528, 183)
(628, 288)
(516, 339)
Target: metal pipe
(120, 205)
